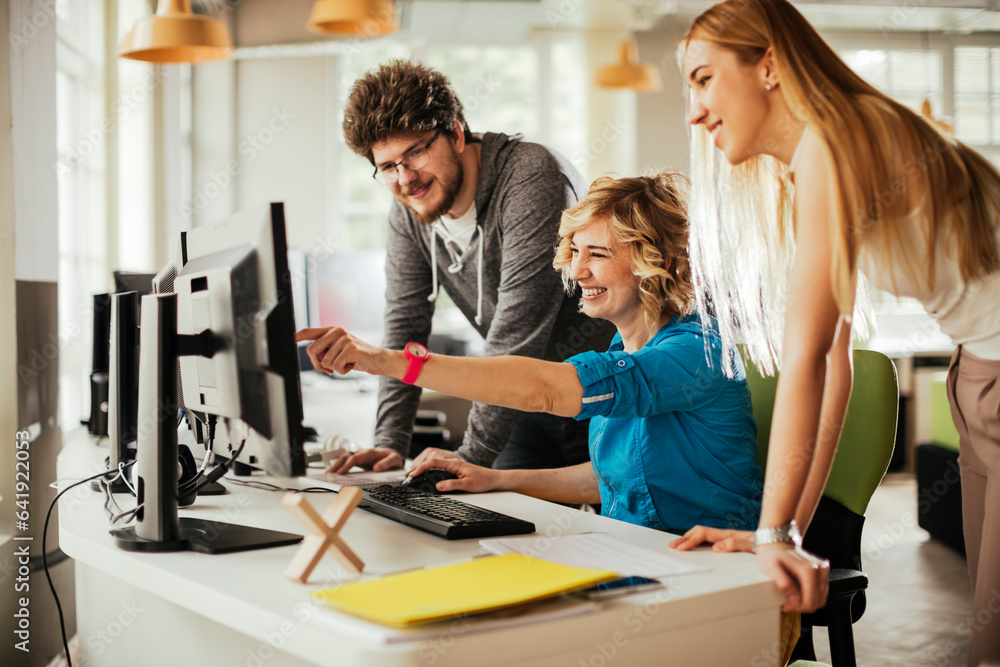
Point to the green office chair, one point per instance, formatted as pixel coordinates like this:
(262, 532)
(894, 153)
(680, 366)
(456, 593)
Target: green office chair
(863, 454)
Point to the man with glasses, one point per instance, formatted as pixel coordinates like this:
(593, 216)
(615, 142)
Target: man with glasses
(479, 216)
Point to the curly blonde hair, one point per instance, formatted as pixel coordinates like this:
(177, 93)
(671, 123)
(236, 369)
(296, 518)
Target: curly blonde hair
(648, 216)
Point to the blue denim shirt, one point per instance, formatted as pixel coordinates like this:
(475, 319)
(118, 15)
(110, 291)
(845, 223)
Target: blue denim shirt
(672, 439)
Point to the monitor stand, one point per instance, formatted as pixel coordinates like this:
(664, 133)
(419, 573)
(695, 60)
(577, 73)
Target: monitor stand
(157, 526)
(212, 489)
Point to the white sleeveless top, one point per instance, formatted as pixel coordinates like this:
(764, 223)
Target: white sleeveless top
(969, 313)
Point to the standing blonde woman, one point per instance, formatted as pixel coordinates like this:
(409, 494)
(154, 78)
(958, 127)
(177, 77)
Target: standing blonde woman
(825, 179)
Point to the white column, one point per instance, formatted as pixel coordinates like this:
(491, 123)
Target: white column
(610, 146)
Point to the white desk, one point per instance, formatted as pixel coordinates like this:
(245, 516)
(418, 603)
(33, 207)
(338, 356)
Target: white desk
(220, 611)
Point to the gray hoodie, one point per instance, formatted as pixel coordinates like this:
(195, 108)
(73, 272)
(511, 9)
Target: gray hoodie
(522, 191)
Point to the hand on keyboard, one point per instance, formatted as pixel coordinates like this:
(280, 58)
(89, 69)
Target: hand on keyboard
(376, 459)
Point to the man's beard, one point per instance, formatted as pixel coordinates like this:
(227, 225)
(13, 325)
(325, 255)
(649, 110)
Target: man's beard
(451, 181)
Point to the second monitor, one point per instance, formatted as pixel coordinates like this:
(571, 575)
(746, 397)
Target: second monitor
(228, 325)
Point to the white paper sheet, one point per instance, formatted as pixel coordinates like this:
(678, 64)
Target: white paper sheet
(365, 478)
(594, 550)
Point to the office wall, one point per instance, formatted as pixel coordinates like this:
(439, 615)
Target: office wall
(282, 134)
(30, 355)
(8, 308)
(213, 142)
(260, 133)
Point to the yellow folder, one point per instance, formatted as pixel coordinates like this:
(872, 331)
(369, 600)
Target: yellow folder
(474, 586)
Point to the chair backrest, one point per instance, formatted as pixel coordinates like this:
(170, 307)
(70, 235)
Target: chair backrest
(869, 432)
(866, 444)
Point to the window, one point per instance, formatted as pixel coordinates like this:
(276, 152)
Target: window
(977, 99)
(498, 86)
(907, 76)
(912, 75)
(80, 172)
(98, 187)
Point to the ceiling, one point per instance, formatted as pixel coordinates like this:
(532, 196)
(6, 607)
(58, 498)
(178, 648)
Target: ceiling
(270, 22)
(451, 18)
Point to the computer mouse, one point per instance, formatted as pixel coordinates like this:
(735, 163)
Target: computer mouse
(427, 480)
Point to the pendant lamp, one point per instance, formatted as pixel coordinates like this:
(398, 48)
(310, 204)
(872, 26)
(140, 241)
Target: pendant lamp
(175, 34)
(628, 72)
(353, 18)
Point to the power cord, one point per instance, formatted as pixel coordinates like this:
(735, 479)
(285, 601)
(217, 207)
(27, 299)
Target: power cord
(124, 476)
(45, 562)
(267, 486)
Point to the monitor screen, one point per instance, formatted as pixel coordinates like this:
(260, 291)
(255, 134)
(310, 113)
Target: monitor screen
(233, 279)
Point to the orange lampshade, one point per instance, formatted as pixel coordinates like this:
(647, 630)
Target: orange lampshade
(942, 123)
(176, 35)
(628, 72)
(353, 18)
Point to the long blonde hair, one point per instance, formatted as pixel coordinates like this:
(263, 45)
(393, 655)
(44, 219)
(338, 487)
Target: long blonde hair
(648, 216)
(878, 148)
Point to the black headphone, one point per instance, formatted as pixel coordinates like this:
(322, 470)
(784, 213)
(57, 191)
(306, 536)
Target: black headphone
(186, 489)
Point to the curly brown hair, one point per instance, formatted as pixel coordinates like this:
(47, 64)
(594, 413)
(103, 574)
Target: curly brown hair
(647, 215)
(401, 98)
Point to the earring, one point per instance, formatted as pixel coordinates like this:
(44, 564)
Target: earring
(767, 86)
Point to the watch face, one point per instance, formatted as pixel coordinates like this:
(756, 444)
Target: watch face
(417, 350)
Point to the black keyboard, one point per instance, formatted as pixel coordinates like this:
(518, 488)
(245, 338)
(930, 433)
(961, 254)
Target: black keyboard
(438, 515)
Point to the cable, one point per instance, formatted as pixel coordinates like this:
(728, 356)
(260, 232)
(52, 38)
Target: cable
(132, 511)
(267, 486)
(124, 476)
(105, 486)
(213, 476)
(209, 441)
(109, 499)
(45, 562)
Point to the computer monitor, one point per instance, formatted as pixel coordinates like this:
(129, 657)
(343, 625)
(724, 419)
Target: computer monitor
(97, 424)
(230, 323)
(102, 398)
(119, 346)
(235, 282)
(130, 281)
(123, 385)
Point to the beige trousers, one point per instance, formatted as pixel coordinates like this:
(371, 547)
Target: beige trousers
(974, 393)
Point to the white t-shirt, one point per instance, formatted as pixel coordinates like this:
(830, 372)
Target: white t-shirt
(457, 233)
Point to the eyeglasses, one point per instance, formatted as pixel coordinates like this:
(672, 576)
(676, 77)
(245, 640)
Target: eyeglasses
(388, 174)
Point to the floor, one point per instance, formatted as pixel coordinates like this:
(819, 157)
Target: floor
(919, 593)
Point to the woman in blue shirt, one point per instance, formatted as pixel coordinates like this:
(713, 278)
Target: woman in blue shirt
(671, 436)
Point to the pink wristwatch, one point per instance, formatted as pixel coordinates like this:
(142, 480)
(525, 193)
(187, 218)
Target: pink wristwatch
(417, 355)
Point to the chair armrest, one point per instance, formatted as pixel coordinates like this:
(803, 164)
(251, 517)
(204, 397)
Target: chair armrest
(846, 582)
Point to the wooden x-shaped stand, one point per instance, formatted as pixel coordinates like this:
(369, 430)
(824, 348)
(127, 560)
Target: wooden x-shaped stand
(323, 533)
